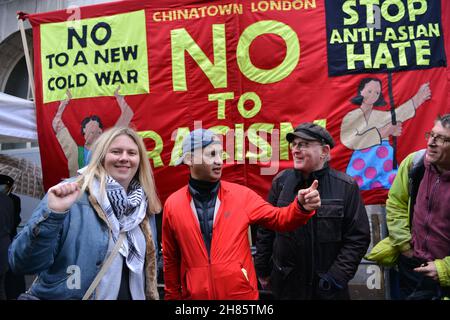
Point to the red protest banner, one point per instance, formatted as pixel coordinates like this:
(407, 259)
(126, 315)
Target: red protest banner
(250, 70)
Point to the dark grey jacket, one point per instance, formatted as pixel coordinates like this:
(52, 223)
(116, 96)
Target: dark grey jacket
(6, 229)
(317, 260)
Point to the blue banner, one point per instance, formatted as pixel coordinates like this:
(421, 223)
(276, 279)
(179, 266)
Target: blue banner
(375, 36)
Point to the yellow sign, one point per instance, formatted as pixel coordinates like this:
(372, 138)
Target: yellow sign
(92, 57)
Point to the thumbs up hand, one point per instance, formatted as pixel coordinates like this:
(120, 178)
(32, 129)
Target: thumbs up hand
(309, 198)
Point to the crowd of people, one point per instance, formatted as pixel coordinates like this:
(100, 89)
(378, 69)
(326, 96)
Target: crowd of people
(94, 235)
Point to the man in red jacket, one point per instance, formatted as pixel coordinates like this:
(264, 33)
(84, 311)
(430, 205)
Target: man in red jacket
(205, 241)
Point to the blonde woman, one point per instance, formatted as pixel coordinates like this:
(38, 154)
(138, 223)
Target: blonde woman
(82, 222)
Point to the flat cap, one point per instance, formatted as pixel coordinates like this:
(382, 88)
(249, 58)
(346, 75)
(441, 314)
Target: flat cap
(313, 132)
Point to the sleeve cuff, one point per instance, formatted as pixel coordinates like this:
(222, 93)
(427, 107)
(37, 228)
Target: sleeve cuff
(443, 274)
(50, 211)
(302, 209)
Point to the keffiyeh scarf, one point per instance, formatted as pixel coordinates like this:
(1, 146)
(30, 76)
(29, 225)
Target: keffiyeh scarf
(124, 213)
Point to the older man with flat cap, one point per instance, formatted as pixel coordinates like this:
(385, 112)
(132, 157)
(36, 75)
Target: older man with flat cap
(318, 260)
(204, 235)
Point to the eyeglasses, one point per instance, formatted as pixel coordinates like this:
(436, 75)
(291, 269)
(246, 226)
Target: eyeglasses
(303, 145)
(438, 139)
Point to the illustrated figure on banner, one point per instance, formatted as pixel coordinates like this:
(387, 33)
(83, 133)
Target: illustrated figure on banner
(91, 129)
(366, 130)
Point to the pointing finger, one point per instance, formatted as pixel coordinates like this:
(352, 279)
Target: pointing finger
(314, 185)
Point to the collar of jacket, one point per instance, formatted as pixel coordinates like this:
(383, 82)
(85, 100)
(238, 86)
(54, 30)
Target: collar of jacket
(444, 176)
(97, 208)
(314, 175)
(222, 190)
(201, 189)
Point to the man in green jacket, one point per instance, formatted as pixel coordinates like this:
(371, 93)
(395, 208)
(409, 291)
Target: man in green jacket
(418, 219)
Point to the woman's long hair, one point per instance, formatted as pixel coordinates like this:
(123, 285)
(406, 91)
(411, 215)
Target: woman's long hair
(96, 167)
